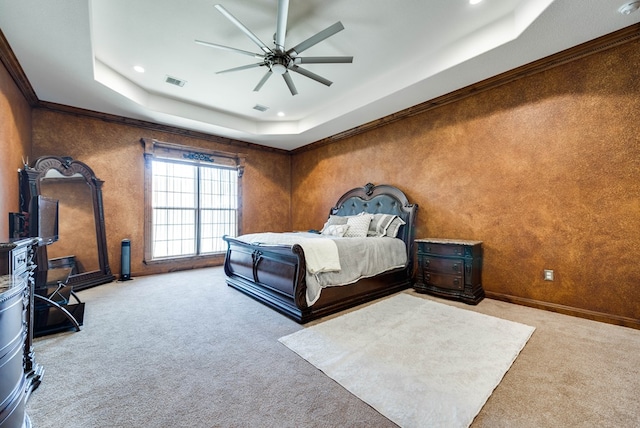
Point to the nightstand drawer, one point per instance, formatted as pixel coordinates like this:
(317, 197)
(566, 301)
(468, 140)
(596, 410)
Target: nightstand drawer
(447, 266)
(448, 250)
(451, 282)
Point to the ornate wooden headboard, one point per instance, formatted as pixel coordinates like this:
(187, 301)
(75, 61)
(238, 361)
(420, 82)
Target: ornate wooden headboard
(381, 199)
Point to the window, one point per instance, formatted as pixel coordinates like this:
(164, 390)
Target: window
(192, 201)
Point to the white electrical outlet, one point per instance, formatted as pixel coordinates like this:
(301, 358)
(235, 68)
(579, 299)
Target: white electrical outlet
(548, 275)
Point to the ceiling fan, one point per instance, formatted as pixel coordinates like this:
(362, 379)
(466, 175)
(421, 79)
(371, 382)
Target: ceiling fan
(278, 60)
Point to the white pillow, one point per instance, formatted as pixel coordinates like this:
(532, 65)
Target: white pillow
(358, 226)
(379, 224)
(394, 227)
(333, 220)
(335, 230)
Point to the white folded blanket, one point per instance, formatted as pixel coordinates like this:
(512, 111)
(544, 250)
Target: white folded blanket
(320, 253)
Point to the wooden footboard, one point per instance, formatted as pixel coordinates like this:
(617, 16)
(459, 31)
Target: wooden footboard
(275, 276)
(272, 274)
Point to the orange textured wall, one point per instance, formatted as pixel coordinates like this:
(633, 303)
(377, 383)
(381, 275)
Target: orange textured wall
(15, 144)
(115, 154)
(544, 170)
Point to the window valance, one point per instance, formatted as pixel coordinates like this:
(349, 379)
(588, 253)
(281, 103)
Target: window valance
(159, 149)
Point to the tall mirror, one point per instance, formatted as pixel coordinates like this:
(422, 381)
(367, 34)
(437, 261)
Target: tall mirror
(82, 243)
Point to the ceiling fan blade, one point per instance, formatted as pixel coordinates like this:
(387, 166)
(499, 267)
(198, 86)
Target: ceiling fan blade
(324, 60)
(227, 48)
(242, 28)
(281, 24)
(262, 81)
(313, 40)
(289, 81)
(311, 75)
(243, 67)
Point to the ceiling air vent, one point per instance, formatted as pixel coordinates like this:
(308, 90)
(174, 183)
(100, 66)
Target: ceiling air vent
(174, 81)
(260, 108)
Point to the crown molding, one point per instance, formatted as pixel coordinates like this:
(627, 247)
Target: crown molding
(625, 35)
(153, 126)
(16, 72)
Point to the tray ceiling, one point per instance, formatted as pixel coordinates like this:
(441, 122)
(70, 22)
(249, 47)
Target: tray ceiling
(82, 54)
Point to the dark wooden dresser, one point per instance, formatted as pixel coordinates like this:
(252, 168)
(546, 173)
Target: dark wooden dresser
(19, 375)
(450, 268)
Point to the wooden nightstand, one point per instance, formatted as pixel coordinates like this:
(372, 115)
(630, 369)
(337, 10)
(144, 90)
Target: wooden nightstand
(450, 268)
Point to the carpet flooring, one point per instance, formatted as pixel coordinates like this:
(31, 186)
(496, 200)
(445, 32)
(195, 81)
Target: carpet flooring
(185, 350)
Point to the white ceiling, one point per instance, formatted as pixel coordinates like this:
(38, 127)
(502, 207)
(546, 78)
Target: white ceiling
(81, 53)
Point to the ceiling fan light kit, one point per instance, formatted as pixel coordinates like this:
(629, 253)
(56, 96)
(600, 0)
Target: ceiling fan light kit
(278, 60)
(278, 68)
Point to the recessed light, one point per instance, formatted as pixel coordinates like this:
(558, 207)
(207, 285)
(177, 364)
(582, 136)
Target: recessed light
(139, 68)
(474, 1)
(281, 113)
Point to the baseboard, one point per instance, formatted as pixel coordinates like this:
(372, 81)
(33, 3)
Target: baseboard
(567, 310)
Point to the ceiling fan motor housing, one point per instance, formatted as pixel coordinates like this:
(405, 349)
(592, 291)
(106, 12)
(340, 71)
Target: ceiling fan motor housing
(278, 63)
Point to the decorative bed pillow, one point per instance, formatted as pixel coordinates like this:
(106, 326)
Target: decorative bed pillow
(394, 227)
(379, 224)
(358, 226)
(334, 220)
(337, 230)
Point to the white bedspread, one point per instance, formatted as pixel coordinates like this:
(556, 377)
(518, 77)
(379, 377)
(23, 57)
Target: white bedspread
(356, 257)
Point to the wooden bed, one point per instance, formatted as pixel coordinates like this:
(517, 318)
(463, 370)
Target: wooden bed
(275, 274)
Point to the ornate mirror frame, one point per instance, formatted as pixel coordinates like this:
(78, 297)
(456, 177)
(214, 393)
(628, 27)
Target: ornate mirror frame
(30, 181)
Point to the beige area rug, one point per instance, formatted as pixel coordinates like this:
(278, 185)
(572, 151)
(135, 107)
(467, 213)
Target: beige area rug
(418, 362)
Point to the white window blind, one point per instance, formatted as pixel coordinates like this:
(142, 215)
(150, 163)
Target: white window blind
(194, 206)
(192, 199)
